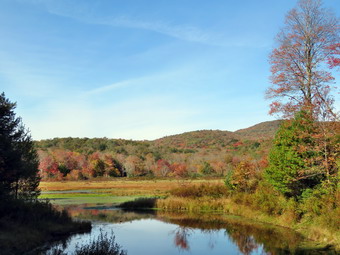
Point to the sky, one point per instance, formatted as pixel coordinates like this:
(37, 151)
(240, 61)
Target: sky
(139, 69)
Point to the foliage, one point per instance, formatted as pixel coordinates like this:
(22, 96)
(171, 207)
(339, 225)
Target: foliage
(103, 245)
(299, 78)
(18, 157)
(201, 190)
(139, 204)
(268, 200)
(297, 161)
(206, 168)
(244, 177)
(28, 224)
(192, 154)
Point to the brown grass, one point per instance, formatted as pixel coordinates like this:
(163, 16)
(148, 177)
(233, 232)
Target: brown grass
(124, 187)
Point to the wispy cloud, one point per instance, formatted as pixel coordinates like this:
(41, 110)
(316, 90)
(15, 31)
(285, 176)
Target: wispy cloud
(183, 32)
(110, 87)
(83, 12)
(186, 32)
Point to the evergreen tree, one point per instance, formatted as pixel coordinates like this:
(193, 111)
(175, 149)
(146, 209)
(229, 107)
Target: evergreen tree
(294, 163)
(18, 159)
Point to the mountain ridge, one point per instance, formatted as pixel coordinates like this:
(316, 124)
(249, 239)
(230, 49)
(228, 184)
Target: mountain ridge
(261, 131)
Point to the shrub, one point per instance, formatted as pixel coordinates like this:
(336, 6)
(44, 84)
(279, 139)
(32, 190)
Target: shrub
(244, 177)
(139, 203)
(268, 200)
(320, 200)
(103, 245)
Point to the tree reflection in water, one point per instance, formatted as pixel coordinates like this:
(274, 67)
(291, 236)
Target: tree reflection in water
(181, 238)
(247, 236)
(246, 244)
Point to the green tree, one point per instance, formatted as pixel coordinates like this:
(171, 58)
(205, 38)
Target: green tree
(206, 168)
(18, 159)
(294, 163)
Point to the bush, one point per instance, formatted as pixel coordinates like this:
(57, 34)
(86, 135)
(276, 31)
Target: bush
(103, 245)
(320, 200)
(268, 200)
(26, 225)
(244, 178)
(139, 203)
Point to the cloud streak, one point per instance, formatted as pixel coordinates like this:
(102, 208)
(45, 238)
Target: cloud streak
(185, 32)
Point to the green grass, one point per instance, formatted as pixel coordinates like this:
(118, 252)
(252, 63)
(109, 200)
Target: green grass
(78, 198)
(109, 192)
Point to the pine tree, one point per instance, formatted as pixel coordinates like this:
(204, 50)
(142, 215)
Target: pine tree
(294, 161)
(19, 176)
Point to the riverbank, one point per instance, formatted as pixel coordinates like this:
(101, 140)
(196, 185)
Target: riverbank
(27, 225)
(315, 219)
(265, 205)
(309, 230)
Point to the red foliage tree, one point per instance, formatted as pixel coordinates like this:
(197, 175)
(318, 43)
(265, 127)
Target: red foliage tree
(179, 169)
(48, 166)
(163, 168)
(299, 79)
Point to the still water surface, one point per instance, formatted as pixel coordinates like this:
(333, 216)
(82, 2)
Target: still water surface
(169, 233)
(154, 237)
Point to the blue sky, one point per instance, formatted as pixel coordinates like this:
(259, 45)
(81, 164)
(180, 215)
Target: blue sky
(138, 69)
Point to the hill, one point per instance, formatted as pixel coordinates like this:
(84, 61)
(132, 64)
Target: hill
(208, 138)
(191, 140)
(196, 153)
(264, 130)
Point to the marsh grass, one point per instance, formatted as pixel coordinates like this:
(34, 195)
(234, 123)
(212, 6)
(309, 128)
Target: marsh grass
(75, 199)
(214, 190)
(103, 245)
(264, 205)
(114, 192)
(124, 187)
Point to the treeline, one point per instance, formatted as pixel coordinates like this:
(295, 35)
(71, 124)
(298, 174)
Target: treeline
(25, 221)
(84, 158)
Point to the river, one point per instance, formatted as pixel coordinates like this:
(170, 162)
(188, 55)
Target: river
(180, 233)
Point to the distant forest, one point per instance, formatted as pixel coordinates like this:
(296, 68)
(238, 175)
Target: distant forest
(191, 154)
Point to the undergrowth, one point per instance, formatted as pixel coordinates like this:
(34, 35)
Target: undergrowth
(27, 225)
(103, 245)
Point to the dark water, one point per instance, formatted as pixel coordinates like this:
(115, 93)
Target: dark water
(173, 233)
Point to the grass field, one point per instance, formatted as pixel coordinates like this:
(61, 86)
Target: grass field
(109, 192)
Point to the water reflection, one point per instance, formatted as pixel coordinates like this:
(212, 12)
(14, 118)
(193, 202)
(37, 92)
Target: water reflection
(149, 233)
(181, 238)
(249, 237)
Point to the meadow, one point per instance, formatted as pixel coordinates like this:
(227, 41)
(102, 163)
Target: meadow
(112, 191)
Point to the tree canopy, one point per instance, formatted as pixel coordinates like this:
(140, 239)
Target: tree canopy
(307, 44)
(18, 159)
(306, 146)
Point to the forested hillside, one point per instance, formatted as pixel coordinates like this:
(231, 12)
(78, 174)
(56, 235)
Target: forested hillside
(197, 153)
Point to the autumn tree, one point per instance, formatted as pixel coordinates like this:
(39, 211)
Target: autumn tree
(293, 162)
(18, 158)
(305, 147)
(308, 42)
(243, 178)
